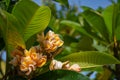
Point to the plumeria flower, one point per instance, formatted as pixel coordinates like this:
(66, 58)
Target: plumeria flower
(50, 41)
(32, 60)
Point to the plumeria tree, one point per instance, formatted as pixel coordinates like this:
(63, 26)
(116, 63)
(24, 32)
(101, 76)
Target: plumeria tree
(36, 42)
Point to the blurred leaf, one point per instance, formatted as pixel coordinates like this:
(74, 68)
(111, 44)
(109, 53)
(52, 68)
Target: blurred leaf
(61, 75)
(118, 33)
(16, 77)
(2, 43)
(118, 1)
(10, 34)
(81, 29)
(7, 2)
(86, 8)
(99, 47)
(69, 39)
(32, 21)
(107, 16)
(74, 25)
(13, 38)
(97, 23)
(111, 16)
(90, 59)
(85, 44)
(31, 41)
(116, 21)
(2, 66)
(63, 2)
(105, 75)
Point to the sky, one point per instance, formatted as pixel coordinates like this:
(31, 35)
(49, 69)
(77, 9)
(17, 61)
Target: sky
(90, 3)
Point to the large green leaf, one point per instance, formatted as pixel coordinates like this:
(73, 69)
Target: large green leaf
(81, 29)
(97, 23)
(61, 75)
(90, 59)
(111, 16)
(116, 21)
(11, 35)
(32, 18)
(75, 26)
(107, 16)
(118, 33)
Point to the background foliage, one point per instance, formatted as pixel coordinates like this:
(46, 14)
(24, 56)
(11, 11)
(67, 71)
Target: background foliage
(91, 38)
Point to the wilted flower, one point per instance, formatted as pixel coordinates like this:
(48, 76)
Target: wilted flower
(75, 67)
(50, 42)
(55, 65)
(65, 65)
(16, 54)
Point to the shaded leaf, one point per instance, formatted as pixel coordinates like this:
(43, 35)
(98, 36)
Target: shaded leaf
(68, 39)
(90, 59)
(13, 38)
(61, 75)
(97, 23)
(2, 44)
(118, 33)
(107, 16)
(85, 44)
(74, 25)
(7, 2)
(63, 2)
(81, 29)
(116, 21)
(111, 16)
(11, 35)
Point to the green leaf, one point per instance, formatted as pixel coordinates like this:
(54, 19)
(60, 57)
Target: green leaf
(33, 19)
(61, 75)
(86, 8)
(90, 59)
(118, 33)
(97, 23)
(63, 2)
(81, 29)
(111, 16)
(74, 25)
(83, 44)
(107, 16)
(11, 36)
(7, 2)
(116, 21)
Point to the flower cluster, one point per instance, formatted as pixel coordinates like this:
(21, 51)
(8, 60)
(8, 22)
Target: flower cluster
(29, 61)
(37, 56)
